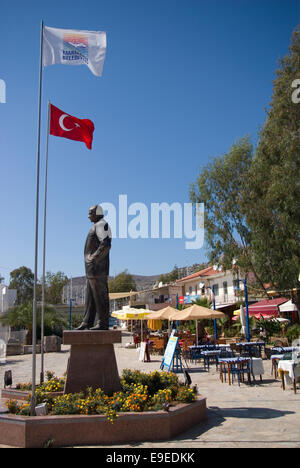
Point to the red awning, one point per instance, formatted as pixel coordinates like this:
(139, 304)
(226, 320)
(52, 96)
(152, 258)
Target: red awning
(258, 316)
(267, 307)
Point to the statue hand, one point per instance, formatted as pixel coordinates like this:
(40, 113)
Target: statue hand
(89, 258)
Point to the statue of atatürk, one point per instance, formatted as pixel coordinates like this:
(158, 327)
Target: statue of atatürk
(96, 258)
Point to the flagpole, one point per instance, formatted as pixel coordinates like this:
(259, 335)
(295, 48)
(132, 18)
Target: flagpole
(44, 250)
(34, 312)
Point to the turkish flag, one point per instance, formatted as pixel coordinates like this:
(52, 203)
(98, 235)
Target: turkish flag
(67, 126)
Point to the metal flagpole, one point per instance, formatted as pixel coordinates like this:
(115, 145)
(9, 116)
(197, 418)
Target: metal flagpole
(44, 249)
(33, 382)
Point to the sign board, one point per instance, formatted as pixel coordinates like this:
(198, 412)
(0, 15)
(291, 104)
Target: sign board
(170, 351)
(142, 351)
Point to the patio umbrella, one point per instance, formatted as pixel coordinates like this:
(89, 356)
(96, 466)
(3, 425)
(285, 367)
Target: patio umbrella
(131, 313)
(196, 312)
(154, 324)
(163, 314)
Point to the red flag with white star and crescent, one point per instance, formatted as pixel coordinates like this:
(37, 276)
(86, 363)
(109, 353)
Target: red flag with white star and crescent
(67, 126)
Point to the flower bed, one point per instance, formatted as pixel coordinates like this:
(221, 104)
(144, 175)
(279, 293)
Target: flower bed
(150, 407)
(141, 392)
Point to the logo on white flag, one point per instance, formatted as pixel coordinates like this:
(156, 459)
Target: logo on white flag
(75, 47)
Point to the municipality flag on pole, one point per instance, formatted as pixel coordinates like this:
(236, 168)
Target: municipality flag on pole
(74, 47)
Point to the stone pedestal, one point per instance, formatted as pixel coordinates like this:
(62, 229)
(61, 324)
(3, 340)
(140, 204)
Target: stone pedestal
(92, 361)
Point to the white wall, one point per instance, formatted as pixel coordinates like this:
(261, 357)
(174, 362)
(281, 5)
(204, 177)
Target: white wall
(7, 298)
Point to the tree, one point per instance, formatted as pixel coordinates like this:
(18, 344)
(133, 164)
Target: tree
(220, 186)
(169, 277)
(54, 283)
(273, 185)
(123, 282)
(22, 279)
(20, 317)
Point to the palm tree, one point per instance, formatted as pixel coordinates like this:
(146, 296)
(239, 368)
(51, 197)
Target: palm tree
(20, 317)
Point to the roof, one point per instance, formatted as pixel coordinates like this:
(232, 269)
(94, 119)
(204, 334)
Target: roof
(209, 271)
(121, 295)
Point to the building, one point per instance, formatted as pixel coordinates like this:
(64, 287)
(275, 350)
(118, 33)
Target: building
(8, 298)
(224, 286)
(158, 297)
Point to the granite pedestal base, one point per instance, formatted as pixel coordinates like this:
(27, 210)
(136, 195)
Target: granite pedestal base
(92, 361)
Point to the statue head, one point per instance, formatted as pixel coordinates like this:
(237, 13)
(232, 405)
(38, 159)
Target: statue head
(95, 213)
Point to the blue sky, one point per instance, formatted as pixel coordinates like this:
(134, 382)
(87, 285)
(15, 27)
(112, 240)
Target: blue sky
(182, 81)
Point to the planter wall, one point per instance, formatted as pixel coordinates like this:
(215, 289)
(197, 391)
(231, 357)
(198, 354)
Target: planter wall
(35, 432)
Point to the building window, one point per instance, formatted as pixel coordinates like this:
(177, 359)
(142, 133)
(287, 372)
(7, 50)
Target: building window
(225, 288)
(215, 288)
(190, 289)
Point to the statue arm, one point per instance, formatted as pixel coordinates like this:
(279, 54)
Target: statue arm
(102, 250)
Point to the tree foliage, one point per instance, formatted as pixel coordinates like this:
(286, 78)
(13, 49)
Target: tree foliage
(20, 317)
(22, 279)
(220, 186)
(273, 186)
(169, 277)
(54, 283)
(252, 197)
(123, 282)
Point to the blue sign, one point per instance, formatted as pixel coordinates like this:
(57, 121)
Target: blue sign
(191, 298)
(170, 351)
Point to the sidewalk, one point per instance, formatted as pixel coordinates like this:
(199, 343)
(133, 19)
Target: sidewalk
(260, 415)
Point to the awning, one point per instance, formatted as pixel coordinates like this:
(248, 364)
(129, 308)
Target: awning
(121, 295)
(288, 307)
(257, 316)
(267, 307)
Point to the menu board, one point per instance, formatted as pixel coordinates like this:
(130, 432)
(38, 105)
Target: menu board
(170, 351)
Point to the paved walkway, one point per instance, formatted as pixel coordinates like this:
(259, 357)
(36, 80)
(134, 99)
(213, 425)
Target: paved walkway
(260, 415)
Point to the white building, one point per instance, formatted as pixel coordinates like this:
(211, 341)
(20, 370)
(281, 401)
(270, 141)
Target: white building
(7, 298)
(224, 284)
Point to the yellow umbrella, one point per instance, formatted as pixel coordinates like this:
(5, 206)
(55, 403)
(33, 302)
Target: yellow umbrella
(132, 314)
(154, 324)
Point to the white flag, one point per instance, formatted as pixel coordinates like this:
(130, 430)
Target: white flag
(74, 47)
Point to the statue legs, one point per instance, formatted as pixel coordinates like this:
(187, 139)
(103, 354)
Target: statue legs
(96, 305)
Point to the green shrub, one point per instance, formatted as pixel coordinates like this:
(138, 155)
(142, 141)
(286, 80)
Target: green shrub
(293, 333)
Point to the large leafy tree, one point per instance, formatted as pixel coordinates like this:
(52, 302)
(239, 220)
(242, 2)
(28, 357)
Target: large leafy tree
(220, 186)
(22, 280)
(273, 185)
(54, 283)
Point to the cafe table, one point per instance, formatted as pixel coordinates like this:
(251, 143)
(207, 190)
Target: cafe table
(251, 345)
(289, 371)
(283, 349)
(228, 362)
(275, 358)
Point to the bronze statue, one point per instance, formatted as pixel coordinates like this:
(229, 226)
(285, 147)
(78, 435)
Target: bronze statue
(96, 258)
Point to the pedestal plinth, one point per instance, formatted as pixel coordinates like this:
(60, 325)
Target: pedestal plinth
(92, 361)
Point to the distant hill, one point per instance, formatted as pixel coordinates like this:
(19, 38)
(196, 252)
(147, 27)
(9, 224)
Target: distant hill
(142, 282)
(145, 282)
